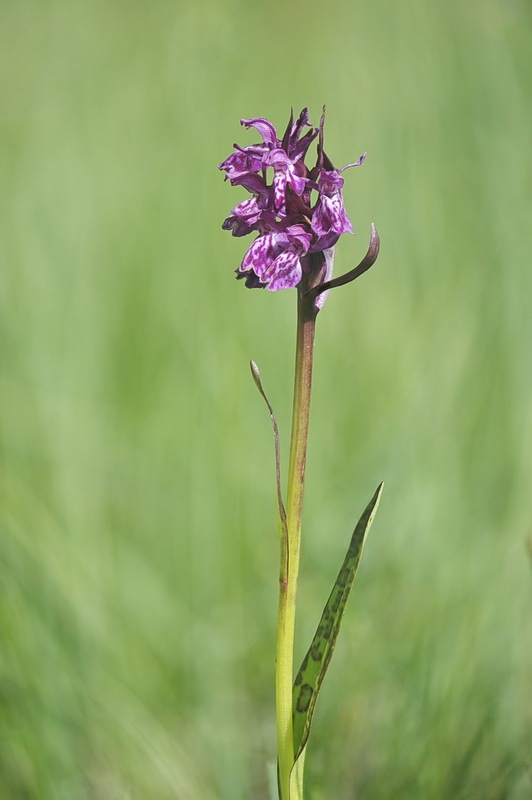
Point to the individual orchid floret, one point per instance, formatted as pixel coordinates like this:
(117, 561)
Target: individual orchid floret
(330, 214)
(244, 218)
(330, 220)
(247, 216)
(275, 259)
(245, 161)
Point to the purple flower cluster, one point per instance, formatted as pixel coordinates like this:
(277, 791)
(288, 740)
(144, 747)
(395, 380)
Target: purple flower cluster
(296, 212)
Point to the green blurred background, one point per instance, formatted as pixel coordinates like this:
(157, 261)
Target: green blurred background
(138, 553)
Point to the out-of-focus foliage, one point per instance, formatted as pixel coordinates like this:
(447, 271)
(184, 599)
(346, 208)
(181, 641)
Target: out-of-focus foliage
(138, 549)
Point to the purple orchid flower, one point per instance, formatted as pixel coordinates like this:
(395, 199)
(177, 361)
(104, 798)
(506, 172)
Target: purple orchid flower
(296, 229)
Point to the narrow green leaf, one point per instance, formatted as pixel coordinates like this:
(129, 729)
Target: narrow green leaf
(312, 671)
(296, 777)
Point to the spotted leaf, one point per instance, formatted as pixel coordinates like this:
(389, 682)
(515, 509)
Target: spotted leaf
(312, 671)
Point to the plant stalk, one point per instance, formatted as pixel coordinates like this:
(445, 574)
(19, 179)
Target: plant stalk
(290, 550)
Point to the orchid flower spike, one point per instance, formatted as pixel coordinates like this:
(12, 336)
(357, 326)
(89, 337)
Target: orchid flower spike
(298, 213)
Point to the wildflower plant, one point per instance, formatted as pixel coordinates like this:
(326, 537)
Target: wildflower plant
(297, 213)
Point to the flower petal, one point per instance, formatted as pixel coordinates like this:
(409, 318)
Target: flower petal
(264, 127)
(279, 188)
(357, 163)
(263, 251)
(284, 273)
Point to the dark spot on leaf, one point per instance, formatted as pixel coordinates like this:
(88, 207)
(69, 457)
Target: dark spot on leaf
(316, 651)
(304, 698)
(304, 665)
(343, 576)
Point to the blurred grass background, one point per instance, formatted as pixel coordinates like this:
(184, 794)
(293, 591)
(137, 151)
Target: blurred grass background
(138, 550)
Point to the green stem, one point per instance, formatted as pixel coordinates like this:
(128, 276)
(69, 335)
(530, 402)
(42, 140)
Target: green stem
(306, 323)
